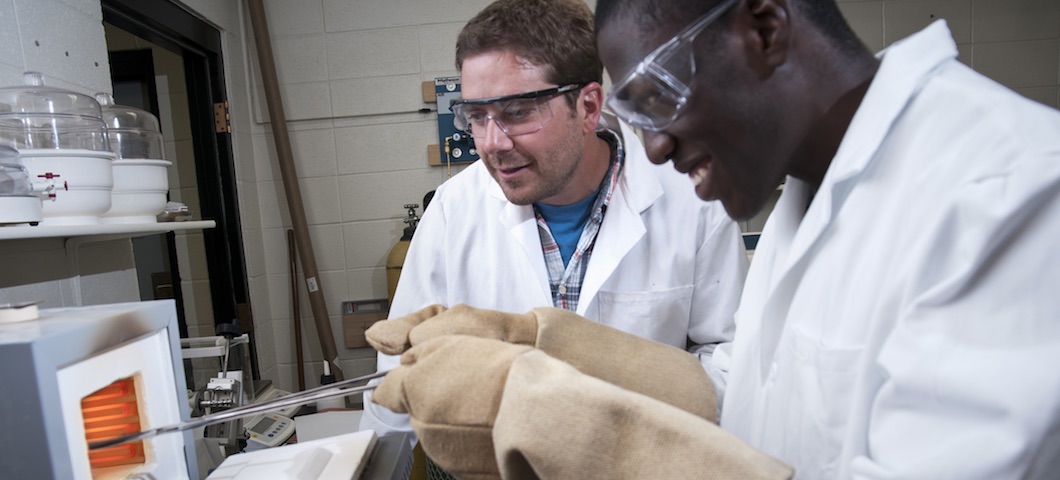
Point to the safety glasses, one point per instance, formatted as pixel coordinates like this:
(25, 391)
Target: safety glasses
(653, 94)
(517, 114)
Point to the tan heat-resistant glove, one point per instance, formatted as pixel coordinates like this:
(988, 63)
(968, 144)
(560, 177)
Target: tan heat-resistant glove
(556, 423)
(451, 388)
(486, 409)
(659, 371)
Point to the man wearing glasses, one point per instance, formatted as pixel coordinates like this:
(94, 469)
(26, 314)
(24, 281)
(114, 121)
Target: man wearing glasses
(564, 210)
(900, 319)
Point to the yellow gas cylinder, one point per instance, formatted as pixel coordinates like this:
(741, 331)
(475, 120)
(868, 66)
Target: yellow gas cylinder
(394, 261)
(396, 258)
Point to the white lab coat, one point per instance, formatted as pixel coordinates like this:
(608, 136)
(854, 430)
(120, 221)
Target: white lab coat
(907, 325)
(666, 266)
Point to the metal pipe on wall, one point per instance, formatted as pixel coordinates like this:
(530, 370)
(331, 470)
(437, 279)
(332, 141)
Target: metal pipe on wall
(278, 120)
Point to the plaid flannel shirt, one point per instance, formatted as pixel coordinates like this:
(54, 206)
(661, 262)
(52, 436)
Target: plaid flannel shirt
(566, 282)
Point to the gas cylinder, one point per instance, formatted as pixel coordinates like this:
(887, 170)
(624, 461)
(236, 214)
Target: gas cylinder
(396, 258)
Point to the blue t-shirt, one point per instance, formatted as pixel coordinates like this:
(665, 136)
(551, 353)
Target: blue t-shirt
(566, 223)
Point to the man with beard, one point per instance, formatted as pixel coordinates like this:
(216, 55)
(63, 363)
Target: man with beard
(563, 209)
(900, 317)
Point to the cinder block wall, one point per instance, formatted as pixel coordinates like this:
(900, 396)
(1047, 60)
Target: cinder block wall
(350, 74)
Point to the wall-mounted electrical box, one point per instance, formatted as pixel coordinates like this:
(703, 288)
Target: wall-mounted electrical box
(461, 145)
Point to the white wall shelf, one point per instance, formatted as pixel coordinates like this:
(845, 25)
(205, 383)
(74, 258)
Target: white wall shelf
(121, 229)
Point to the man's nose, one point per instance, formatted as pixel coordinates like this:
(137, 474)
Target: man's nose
(494, 140)
(659, 146)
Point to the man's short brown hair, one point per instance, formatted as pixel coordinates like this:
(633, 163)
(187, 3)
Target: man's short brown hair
(555, 34)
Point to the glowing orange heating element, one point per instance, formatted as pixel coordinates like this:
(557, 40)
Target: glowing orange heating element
(110, 412)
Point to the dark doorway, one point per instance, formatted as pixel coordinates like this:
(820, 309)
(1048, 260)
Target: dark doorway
(197, 45)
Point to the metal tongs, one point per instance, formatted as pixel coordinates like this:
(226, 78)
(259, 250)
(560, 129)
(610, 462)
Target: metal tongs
(298, 398)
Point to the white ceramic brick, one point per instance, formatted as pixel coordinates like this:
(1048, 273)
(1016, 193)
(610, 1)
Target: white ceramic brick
(11, 75)
(265, 344)
(438, 46)
(333, 283)
(1019, 64)
(274, 213)
(328, 247)
(866, 18)
(293, 17)
(380, 148)
(87, 7)
(237, 68)
(373, 53)
(283, 376)
(904, 18)
(279, 299)
(274, 242)
(376, 95)
(300, 59)
(65, 43)
(314, 153)
(450, 10)
(116, 286)
(283, 338)
(376, 196)
(369, 242)
(265, 166)
(243, 153)
(321, 197)
(366, 283)
(254, 252)
(1009, 20)
(11, 53)
(344, 15)
(301, 101)
(43, 292)
(249, 207)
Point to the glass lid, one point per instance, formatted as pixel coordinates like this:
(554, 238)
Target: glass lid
(36, 116)
(132, 132)
(120, 117)
(34, 97)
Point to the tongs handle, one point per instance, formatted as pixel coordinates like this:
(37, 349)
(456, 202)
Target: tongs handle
(306, 396)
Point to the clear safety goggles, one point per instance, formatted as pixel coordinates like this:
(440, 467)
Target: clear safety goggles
(517, 114)
(653, 94)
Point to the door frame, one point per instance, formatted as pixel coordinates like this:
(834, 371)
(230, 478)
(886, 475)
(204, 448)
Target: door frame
(172, 27)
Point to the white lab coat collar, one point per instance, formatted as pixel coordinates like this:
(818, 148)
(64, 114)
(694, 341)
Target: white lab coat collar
(906, 66)
(636, 190)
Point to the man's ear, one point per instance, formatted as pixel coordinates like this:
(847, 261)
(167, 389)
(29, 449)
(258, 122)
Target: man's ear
(767, 32)
(590, 106)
